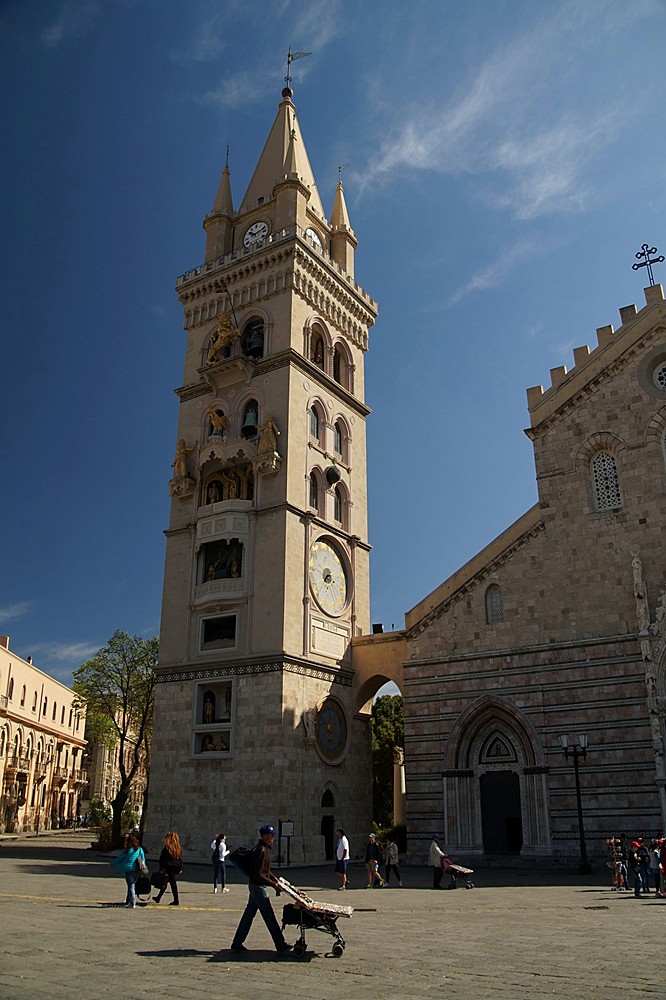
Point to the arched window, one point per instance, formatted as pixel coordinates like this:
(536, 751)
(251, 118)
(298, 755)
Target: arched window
(71, 713)
(10, 688)
(252, 339)
(314, 491)
(494, 605)
(337, 438)
(250, 424)
(605, 481)
(55, 709)
(34, 702)
(3, 742)
(23, 696)
(45, 706)
(62, 716)
(314, 423)
(341, 367)
(317, 349)
(337, 505)
(327, 799)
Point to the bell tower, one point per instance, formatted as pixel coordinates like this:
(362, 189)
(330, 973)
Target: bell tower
(266, 577)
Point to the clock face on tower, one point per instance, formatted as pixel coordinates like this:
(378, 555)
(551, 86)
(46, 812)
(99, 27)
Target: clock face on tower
(328, 577)
(256, 232)
(313, 235)
(331, 730)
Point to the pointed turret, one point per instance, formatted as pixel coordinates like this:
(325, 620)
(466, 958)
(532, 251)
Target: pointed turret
(343, 240)
(283, 159)
(218, 222)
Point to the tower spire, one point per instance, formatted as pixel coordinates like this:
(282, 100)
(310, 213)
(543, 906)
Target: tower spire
(218, 221)
(343, 240)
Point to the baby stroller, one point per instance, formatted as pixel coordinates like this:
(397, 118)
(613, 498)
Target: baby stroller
(307, 914)
(457, 874)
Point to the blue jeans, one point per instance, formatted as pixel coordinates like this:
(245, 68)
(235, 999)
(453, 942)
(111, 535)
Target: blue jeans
(259, 900)
(219, 874)
(130, 878)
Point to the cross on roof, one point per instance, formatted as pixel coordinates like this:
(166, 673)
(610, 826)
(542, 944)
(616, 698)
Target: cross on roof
(648, 252)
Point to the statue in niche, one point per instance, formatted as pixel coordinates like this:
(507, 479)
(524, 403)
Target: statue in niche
(207, 744)
(208, 714)
(268, 435)
(223, 337)
(222, 560)
(179, 464)
(246, 483)
(310, 722)
(231, 484)
(637, 569)
(213, 492)
(219, 422)
(234, 569)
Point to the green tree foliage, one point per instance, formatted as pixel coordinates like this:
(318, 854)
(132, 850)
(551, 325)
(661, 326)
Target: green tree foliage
(388, 731)
(118, 687)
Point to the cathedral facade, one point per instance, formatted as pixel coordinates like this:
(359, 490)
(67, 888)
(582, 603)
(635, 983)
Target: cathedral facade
(554, 635)
(267, 578)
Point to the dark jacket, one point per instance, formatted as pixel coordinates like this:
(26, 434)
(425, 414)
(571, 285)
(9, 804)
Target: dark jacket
(170, 864)
(260, 871)
(373, 851)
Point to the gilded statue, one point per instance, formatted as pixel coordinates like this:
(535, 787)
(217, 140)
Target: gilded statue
(218, 420)
(224, 335)
(268, 435)
(179, 464)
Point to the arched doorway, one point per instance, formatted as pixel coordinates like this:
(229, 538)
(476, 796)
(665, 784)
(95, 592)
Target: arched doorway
(500, 812)
(328, 824)
(495, 783)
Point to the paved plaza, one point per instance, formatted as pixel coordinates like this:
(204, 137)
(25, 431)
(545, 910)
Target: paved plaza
(532, 935)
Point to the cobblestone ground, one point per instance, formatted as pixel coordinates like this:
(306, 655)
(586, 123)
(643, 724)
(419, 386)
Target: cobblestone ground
(64, 935)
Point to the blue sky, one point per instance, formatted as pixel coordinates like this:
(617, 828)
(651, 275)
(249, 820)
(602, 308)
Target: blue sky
(504, 164)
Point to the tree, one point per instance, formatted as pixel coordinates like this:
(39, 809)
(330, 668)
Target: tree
(388, 731)
(118, 687)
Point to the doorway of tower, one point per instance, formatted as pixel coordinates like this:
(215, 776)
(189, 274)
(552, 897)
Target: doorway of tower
(500, 812)
(328, 833)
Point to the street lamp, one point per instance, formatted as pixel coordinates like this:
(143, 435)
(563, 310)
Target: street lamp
(577, 751)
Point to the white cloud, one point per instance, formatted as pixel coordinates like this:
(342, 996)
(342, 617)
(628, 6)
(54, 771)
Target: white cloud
(73, 21)
(493, 275)
(11, 611)
(72, 652)
(522, 123)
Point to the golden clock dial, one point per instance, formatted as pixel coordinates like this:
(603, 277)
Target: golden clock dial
(328, 577)
(331, 730)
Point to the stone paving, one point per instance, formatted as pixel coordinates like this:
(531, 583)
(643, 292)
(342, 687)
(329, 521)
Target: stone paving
(517, 934)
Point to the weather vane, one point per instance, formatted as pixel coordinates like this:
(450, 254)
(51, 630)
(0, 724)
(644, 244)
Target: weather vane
(341, 167)
(648, 253)
(290, 58)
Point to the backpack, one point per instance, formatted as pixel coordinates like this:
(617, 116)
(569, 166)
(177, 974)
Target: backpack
(215, 856)
(241, 858)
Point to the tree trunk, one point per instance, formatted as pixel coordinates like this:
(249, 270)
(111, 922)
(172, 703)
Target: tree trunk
(117, 807)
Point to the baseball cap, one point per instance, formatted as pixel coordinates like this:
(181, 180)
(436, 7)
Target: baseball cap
(268, 829)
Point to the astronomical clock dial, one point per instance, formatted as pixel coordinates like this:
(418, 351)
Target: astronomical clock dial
(313, 236)
(331, 730)
(328, 578)
(256, 232)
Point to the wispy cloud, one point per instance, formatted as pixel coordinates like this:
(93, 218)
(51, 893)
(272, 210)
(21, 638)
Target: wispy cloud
(493, 275)
(74, 653)
(74, 19)
(517, 125)
(308, 26)
(11, 611)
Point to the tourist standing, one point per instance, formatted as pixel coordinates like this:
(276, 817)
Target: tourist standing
(391, 858)
(219, 849)
(373, 856)
(342, 859)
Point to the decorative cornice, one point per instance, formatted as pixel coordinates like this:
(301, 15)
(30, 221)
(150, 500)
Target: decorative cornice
(167, 675)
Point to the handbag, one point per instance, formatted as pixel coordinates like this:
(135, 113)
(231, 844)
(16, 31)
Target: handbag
(159, 880)
(142, 886)
(143, 869)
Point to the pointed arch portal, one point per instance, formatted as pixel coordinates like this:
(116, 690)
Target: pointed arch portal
(495, 791)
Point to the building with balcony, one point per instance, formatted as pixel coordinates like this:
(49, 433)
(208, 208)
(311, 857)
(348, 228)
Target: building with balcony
(42, 746)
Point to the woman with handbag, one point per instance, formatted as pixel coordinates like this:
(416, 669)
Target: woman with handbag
(129, 863)
(171, 864)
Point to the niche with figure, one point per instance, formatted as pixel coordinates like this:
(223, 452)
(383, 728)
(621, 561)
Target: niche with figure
(212, 722)
(221, 560)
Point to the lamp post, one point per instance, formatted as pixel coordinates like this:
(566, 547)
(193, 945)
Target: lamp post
(578, 751)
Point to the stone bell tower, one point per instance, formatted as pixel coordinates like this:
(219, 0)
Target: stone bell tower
(266, 578)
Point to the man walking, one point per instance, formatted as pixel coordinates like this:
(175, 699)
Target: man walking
(342, 859)
(261, 878)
